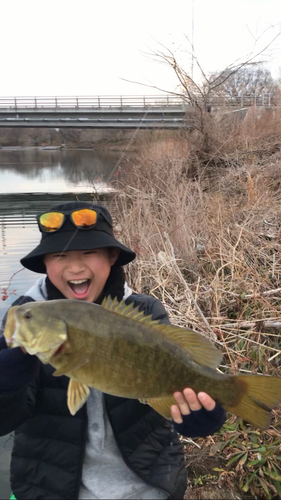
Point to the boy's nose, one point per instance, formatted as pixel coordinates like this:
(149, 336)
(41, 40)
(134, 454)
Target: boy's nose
(75, 265)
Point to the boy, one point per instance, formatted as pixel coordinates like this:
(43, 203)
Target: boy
(113, 447)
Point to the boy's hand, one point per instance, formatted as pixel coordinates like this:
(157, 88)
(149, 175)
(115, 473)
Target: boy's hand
(196, 415)
(189, 401)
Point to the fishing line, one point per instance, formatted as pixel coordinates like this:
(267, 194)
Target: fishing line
(126, 148)
(114, 169)
(70, 240)
(116, 165)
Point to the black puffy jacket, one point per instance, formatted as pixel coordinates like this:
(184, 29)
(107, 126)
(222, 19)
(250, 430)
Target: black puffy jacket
(49, 443)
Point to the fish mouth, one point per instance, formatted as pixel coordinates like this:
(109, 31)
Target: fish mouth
(80, 287)
(59, 350)
(55, 354)
(46, 356)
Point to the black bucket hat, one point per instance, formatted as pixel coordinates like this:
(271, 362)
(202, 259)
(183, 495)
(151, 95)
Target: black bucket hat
(69, 237)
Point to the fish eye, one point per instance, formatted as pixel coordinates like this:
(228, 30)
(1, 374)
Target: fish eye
(28, 315)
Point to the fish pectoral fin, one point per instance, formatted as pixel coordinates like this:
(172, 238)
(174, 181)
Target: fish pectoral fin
(77, 395)
(70, 363)
(161, 405)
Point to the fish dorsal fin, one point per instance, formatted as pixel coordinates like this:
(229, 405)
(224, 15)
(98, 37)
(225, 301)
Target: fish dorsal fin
(200, 348)
(129, 311)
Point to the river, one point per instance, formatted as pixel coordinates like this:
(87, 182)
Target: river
(31, 179)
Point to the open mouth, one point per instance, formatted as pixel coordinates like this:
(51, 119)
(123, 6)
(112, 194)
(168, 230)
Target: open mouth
(80, 287)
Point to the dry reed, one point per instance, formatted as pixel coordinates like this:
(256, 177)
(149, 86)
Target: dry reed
(203, 213)
(208, 246)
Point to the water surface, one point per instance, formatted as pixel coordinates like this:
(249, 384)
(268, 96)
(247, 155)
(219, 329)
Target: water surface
(56, 171)
(32, 180)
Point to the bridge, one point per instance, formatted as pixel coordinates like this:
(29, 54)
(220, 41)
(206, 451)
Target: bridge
(124, 112)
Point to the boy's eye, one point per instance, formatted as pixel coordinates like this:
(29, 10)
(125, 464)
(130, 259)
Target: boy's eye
(90, 251)
(58, 255)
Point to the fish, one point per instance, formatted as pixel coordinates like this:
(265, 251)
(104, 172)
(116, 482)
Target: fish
(115, 348)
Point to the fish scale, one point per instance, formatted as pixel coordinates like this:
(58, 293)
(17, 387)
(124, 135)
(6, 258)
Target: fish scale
(117, 349)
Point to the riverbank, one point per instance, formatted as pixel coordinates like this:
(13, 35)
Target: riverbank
(204, 217)
(101, 139)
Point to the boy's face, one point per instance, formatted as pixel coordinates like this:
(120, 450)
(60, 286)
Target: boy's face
(81, 274)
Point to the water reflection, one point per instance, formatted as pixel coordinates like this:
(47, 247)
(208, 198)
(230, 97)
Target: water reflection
(38, 170)
(14, 244)
(31, 180)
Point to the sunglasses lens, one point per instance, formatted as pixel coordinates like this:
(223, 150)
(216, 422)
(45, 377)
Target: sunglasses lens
(51, 221)
(84, 217)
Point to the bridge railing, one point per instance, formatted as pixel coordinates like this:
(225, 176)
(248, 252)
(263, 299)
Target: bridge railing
(60, 102)
(264, 99)
(131, 101)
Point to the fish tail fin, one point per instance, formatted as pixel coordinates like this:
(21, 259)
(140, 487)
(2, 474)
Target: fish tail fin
(260, 394)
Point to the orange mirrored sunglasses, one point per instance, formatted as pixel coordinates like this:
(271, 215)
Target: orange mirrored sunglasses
(84, 218)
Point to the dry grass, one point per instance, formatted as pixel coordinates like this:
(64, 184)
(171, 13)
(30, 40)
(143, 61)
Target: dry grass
(208, 243)
(209, 247)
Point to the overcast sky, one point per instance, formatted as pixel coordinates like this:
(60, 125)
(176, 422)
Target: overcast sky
(86, 47)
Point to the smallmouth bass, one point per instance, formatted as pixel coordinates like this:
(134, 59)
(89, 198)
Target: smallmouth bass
(118, 350)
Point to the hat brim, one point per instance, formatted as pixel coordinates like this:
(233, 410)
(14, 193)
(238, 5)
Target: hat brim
(76, 241)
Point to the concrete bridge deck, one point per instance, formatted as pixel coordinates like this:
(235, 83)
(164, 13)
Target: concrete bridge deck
(117, 112)
(93, 112)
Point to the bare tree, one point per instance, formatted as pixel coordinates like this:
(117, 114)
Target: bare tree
(198, 94)
(252, 80)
